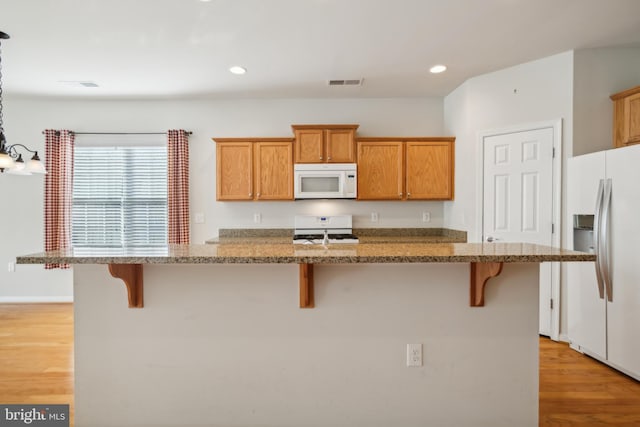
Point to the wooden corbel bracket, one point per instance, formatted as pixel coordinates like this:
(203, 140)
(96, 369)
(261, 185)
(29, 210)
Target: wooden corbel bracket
(481, 272)
(306, 286)
(131, 275)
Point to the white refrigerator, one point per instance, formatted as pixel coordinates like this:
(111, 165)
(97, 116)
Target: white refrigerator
(604, 297)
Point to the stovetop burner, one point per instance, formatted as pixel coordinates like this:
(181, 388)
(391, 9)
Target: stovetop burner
(307, 236)
(321, 236)
(342, 236)
(311, 229)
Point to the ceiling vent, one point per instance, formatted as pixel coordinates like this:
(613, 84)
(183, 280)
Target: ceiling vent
(76, 83)
(351, 82)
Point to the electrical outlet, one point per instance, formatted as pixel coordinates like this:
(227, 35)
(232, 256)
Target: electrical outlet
(12, 267)
(198, 218)
(414, 354)
(426, 216)
(257, 218)
(374, 216)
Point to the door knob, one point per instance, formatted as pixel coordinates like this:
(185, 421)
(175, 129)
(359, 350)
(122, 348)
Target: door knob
(492, 239)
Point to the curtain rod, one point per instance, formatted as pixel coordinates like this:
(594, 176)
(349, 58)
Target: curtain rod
(120, 133)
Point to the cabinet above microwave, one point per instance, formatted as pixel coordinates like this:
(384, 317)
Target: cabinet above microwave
(325, 143)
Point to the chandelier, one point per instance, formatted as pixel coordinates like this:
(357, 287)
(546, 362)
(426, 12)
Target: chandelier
(10, 158)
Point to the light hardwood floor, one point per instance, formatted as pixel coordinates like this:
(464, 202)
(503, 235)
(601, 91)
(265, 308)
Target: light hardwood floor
(576, 390)
(36, 354)
(36, 366)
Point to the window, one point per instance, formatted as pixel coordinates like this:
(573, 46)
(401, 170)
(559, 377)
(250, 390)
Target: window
(119, 191)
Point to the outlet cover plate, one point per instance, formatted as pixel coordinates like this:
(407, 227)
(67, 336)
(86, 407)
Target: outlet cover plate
(414, 354)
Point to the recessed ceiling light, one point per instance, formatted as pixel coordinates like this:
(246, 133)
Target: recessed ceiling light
(238, 70)
(438, 69)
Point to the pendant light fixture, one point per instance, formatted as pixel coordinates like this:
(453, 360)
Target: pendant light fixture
(10, 158)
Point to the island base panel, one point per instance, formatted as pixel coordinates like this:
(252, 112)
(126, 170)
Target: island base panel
(228, 345)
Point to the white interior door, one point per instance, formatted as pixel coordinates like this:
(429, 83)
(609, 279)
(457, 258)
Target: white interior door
(518, 197)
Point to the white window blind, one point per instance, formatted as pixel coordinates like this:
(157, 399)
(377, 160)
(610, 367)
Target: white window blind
(119, 193)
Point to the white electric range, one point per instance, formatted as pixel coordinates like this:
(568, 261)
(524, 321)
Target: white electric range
(322, 229)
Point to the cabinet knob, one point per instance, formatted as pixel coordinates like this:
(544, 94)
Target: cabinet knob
(258, 194)
(408, 194)
(250, 194)
(320, 157)
(329, 158)
(400, 195)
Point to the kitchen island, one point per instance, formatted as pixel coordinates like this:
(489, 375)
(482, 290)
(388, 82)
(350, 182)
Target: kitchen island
(218, 338)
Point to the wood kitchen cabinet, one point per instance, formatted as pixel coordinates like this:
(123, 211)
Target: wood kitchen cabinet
(405, 168)
(626, 117)
(273, 170)
(380, 170)
(325, 143)
(429, 170)
(254, 169)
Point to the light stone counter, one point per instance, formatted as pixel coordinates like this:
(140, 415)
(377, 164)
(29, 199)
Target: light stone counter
(287, 253)
(365, 235)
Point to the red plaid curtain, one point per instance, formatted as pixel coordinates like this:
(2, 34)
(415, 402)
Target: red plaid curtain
(178, 185)
(58, 191)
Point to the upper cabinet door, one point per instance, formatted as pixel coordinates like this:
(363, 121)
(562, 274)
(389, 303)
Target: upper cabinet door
(310, 146)
(274, 170)
(380, 170)
(632, 119)
(626, 117)
(340, 145)
(429, 170)
(324, 143)
(234, 171)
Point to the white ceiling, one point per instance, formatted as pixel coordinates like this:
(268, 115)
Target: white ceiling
(184, 48)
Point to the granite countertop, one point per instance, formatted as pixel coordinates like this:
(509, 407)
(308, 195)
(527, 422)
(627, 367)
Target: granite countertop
(287, 253)
(267, 240)
(365, 235)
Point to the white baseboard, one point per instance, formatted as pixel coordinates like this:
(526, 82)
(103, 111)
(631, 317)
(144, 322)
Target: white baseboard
(563, 338)
(35, 299)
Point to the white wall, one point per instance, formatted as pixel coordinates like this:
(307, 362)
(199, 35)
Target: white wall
(528, 93)
(25, 118)
(599, 73)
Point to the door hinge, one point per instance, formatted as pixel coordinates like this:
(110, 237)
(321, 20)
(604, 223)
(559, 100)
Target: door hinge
(553, 228)
(551, 303)
(553, 152)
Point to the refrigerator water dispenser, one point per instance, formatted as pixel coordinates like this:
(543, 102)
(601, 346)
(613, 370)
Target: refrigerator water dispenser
(583, 233)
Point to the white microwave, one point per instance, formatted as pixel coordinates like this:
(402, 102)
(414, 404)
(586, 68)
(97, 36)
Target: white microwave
(325, 181)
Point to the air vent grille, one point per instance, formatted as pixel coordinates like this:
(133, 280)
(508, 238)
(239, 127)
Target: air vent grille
(346, 82)
(76, 83)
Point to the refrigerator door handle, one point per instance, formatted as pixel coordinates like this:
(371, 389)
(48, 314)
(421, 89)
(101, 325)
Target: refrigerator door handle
(597, 237)
(605, 240)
